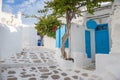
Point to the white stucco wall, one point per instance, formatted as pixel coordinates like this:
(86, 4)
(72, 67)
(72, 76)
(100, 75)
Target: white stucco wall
(115, 31)
(49, 43)
(101, 15)
(107, 64)
(77, 45)
(77, 38)
(14, 39)
(33, 36)
(10, 40)
(110, 63)
(29, 36)
(105, 60)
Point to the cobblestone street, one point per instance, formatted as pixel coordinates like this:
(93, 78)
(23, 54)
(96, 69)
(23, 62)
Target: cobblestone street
(44, 67)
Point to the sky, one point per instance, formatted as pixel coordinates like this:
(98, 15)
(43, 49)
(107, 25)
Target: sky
(28, 7)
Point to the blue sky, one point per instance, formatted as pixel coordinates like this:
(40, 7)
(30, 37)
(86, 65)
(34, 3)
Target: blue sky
(25, 6)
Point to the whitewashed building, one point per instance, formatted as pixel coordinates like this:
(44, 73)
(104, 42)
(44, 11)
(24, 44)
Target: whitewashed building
(97, 41)
(14, 36)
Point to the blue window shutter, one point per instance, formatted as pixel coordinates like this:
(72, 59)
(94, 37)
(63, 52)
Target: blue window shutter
(63, 30)
(59, 34)
(58, 38)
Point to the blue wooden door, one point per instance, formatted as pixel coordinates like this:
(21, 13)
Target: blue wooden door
(102, 39)
(88, 43)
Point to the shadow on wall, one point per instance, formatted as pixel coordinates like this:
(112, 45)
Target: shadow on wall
(10, 40)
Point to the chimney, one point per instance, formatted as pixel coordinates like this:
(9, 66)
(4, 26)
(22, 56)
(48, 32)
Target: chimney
(0, 5)
(19, 16)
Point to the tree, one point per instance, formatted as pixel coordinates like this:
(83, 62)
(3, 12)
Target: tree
(47, 25)
(71, 9)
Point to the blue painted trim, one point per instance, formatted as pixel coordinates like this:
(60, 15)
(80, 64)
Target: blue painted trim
(88, 43)
(67, 43)
(58, 38)
(91, 24)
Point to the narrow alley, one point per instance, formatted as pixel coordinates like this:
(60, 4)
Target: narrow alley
(40, 64)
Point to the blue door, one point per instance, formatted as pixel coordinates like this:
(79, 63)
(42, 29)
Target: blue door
(88, 43)
(39, 43)
(102, 39)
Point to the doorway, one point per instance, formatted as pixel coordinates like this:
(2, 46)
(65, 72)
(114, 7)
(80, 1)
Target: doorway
(102, 39)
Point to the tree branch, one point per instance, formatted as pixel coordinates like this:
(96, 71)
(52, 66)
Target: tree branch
(81, 5)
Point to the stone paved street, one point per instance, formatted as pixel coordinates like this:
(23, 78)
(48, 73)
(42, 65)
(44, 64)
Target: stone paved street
(47, 67)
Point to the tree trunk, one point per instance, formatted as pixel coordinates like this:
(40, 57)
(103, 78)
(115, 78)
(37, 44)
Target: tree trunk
(66, 35)
(64, 38)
